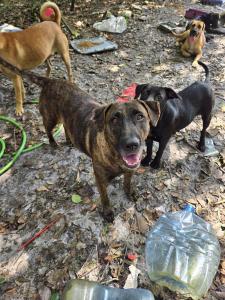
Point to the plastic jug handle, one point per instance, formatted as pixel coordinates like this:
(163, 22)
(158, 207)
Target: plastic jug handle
(189, 207)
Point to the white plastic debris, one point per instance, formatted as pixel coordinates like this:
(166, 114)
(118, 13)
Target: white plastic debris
(9, 28)
(113, 25)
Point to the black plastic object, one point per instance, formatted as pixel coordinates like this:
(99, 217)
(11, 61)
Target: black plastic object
(93, 45)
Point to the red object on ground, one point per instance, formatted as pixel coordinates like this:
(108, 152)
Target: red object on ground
(132, 256)
(39, 233)
(128, 93)
(49, 12)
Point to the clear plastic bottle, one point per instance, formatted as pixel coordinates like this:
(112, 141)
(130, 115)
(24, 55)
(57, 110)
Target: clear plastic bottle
(78, 289)
(182, 253)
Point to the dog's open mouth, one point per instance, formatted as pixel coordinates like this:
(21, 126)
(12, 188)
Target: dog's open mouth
(193, 34)
(132, 160)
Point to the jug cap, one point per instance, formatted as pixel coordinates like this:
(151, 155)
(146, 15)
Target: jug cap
(189, 207)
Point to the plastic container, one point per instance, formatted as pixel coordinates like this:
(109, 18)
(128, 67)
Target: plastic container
(182, 253)
(112, 24)
(77, 289)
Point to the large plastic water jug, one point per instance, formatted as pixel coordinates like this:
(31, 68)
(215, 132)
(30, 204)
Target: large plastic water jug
(182, 253)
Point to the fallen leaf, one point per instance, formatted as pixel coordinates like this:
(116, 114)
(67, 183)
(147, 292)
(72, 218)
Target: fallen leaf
(2, 280)
(45, 293)
(141, 225)
(114, 271)
(141, 170)
(42, 189)
(114, 68)
(76, 198)
(131, 281)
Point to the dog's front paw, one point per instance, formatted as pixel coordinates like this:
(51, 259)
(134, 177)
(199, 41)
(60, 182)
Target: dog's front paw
(201, 147)
(155, 164)
(53, 144)
(145, 162)
(108, 215)
(19, 111)
(195, 64)
(132, 195)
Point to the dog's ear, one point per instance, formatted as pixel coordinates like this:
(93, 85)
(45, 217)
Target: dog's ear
(100, 115)
(203, 26)
(153, 109)
(139, 90)
(170, 93)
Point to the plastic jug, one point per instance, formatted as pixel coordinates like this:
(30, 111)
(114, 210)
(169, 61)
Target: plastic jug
(78, 289)
(182, 253)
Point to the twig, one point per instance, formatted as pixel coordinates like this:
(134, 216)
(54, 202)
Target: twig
(38, 234)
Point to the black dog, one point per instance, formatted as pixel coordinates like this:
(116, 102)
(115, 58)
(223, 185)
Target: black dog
(177, 111)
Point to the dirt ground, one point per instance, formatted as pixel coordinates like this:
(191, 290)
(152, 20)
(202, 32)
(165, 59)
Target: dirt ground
(39, 187)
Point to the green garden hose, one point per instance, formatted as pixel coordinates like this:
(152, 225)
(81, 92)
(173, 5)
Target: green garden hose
(22, 145)
(22, 148)
(2, 149)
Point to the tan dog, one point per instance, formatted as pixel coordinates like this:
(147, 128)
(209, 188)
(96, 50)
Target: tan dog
(33, 46)
(192, 41)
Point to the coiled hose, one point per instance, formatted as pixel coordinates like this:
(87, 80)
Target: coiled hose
(21, 148)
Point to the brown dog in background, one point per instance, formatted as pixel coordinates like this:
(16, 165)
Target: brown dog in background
(33, 46)
(192, 41)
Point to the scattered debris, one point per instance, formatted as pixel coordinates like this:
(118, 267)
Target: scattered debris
(81, 238)
(93, 45)
(112, 24)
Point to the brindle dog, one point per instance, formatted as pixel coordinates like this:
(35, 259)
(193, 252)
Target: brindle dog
(112, 135)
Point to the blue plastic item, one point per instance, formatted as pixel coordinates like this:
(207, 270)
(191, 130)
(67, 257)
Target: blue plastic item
(182, 253)
(78, 289)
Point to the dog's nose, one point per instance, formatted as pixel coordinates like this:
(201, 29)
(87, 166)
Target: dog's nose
(132, 144)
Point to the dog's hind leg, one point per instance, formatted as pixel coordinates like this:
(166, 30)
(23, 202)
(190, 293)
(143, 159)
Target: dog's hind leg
(49, 67)
(185, 53)
(66, 59)
(148, 157)
(206, 121)
(19, 92)
(68, 141)
(49, 124)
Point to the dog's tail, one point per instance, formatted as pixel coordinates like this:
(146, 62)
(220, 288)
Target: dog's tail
(39, 80)
(49, 11)
(206, 70)
(177, 34)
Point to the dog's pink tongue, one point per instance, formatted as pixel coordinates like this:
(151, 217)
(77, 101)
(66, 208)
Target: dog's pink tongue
(132, 159)
(191, 38)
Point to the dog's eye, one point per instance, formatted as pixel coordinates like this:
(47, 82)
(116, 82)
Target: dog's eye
(199, 26)
(140, 117)
(158, 98)
(115, 120)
